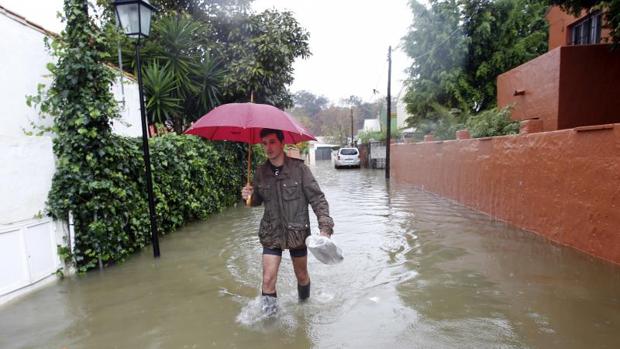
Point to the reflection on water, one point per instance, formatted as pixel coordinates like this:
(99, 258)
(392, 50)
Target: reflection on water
(419, 271)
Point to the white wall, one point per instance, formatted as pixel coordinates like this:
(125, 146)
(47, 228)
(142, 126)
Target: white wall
(27, 239)
(128, 99)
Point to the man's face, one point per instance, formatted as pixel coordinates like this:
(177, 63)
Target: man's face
(272, 146)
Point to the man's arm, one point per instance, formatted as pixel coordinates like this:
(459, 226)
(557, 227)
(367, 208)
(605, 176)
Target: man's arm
(317, 200)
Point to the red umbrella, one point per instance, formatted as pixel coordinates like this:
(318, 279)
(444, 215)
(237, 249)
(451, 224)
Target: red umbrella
(242, 122)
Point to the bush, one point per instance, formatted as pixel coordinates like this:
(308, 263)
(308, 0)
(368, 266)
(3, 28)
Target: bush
(192, 178)
(443, 123)
(492, 122)
(378, 136)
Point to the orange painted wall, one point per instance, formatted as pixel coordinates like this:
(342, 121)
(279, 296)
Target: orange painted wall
(564, 185)
(566, 87)
(540, 80)
(589, 86)
(558, 27)
(558, 21)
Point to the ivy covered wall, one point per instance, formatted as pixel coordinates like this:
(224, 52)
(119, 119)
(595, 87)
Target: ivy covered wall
(100, 176)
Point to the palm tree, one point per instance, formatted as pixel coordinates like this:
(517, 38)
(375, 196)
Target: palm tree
(182, 81)
(160, 87)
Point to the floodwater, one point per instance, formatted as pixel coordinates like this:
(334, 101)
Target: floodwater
(419, 272)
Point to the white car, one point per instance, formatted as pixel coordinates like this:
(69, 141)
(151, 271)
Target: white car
(347, 157)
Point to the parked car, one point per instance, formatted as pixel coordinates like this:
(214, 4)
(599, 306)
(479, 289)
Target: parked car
(347, 157)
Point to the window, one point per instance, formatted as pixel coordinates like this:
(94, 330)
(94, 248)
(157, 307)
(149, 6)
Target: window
(348, 151)
(587, 31)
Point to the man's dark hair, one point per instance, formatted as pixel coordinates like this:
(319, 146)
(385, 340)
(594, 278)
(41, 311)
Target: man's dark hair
(267, 131)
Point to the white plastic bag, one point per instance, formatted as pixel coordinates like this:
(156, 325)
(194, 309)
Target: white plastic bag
(324, 249)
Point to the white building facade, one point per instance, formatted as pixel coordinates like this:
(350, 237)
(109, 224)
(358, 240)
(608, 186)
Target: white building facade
(28, 238)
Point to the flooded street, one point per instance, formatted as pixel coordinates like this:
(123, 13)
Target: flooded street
(419, 272)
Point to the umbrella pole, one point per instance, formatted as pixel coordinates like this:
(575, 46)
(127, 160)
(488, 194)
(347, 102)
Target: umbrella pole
(249, 199)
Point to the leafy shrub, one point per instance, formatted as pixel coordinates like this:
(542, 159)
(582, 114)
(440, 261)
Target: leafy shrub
(379, 136)
(443, 124)
(492, 122)
(192, 178)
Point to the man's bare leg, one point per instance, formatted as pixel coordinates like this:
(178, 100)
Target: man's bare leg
(271, 264)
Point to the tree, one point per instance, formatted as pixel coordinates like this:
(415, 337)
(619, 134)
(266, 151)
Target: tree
(259, 51)
(460, 46)
(218, 54)
(160, 90)
(437, 45)
(179, 60)
(336, 124)
(310, 103)
(501, 34)
(307, 107)
(201, 8)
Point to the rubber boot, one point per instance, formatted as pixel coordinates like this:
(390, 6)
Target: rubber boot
(269, 303)
(303, 292)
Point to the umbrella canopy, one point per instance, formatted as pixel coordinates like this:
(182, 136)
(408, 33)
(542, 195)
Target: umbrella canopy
(242, 122)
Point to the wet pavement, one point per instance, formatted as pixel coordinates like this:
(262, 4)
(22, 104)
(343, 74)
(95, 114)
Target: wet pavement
(419, 272)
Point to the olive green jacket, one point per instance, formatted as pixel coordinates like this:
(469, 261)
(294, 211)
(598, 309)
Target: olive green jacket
(286, 222)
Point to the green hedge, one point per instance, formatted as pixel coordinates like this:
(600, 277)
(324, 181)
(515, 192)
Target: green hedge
(192, 179)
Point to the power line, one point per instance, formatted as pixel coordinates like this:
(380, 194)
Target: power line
(436, 46)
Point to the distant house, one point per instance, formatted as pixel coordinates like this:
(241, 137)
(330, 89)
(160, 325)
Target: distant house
(574, 84)
(319, 150)
(372, 125)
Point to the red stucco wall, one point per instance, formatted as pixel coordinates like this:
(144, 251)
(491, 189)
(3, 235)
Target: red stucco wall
(558, 27)
(589, 86)
(566, 87)
(564, 185)
(539, 79)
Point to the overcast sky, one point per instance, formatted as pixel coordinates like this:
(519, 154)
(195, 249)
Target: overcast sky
(349, 41)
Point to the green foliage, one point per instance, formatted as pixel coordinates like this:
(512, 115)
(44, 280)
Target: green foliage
(446, 122)
(366, 137)
(200, 8)
(259, 51)
(160, 90)
(182, 79)
(216, 52)
(438, 47)
(492, 122)
(501, 35)
(460, 46)
(100, 176)
(193, 178)
(443, 124)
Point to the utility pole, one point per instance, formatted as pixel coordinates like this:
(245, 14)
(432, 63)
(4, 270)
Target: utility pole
(352, 143)
(389, 116)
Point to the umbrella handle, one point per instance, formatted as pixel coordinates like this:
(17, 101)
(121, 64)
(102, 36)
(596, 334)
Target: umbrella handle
(248, 201)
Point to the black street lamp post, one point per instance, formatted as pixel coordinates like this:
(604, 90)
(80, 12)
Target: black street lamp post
(134, 18)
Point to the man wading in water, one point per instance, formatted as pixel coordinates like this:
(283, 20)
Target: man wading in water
(285, 186)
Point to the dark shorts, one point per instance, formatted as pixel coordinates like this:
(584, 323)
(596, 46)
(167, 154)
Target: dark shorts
(299, 252)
